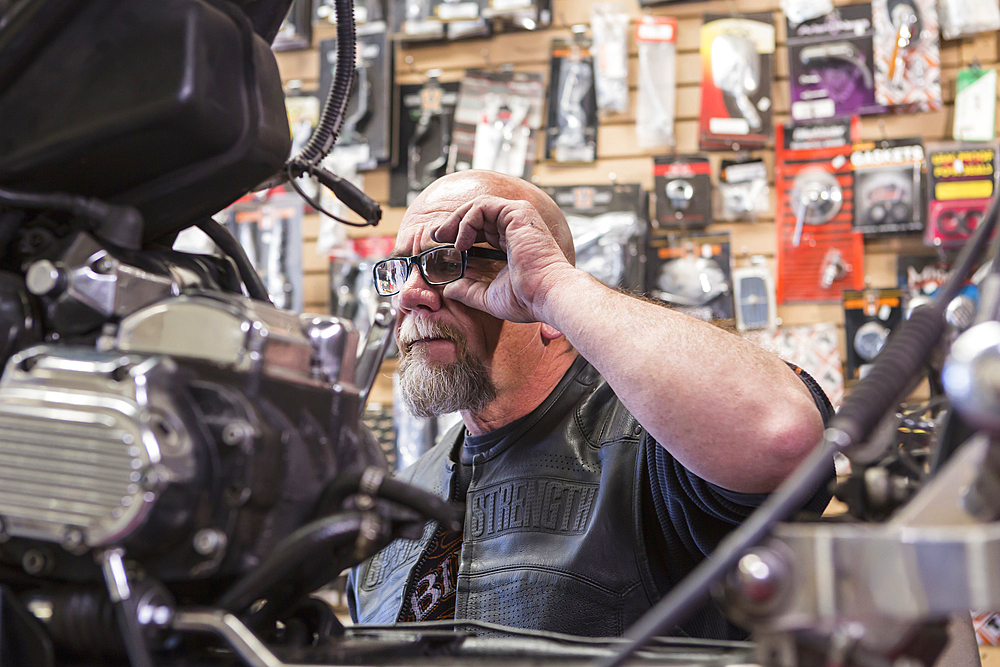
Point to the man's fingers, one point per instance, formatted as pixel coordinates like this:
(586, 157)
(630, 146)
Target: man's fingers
(473, 222)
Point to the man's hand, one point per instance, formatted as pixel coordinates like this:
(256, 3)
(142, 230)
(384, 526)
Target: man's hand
(535, 262)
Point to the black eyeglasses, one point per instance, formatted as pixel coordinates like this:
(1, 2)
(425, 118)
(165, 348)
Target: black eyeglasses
(438, 266)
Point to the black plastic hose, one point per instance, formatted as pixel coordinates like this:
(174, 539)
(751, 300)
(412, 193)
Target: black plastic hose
(228, 244)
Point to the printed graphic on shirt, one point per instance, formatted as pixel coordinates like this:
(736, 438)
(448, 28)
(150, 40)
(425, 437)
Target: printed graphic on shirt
(538, 505)
(432, 597)
(390, 559)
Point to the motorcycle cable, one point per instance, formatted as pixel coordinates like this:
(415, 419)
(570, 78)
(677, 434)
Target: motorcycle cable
(231, 247)
(861, 412)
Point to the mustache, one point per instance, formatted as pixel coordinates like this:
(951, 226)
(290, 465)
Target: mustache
(413, 330)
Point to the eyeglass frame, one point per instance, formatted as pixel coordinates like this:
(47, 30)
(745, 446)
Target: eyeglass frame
(415, 260)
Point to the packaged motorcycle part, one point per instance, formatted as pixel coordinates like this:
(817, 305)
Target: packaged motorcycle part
(870, 315)
(295, 32)
(609, 32)
(961, 180)
(753, 292)
(519, 14)
(815, 348)
(571, 133)
(962, 18)
(497, 119)
(414, 21)
(367, 119)
(887, 192)
(479, 27)
(352, 285)
(819, 253)
(691, 272)
(682, 191)
(975, 104)
(426, 117)
(743, 190)
(656, 41)
(799, 11)
(271, 233)
(608, 223)
(907, 54)
(831, 65)
(737, 56)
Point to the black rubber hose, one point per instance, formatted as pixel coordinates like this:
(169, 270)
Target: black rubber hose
(447, 514)
(325, 136)
(300, 551)
(126, 219)
(891, 373)
(228, 244)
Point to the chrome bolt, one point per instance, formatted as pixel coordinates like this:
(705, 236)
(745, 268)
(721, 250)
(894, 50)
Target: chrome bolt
(73, 541)
(43, 277)
(209, 541)
(236, 432)
(35, 561)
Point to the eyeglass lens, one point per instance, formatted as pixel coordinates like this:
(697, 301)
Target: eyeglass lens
(438, 266)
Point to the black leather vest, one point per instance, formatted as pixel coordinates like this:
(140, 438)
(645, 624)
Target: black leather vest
(553, 529)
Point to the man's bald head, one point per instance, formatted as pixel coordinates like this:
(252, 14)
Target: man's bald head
(463, 186)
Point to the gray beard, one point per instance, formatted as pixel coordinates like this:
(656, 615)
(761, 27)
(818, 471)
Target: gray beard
(429, 391)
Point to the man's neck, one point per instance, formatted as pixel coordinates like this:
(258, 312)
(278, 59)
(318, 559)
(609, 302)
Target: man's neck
(521, 395)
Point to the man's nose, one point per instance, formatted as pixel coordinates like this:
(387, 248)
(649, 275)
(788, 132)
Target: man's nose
(417, 293)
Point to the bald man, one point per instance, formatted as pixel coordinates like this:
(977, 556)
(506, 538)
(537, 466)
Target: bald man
(608, 443)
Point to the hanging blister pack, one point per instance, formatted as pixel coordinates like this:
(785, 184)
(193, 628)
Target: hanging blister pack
(571, 134)
(907, 54)
(831, 65)
(497, 120)
(799, 11)
(608, 223)
(609, 32)
(743, 190)
(869, 317)
(691, 272)
(656, 40)
(682, 191)
(975, 104)
(426, 119)
(414, 20)
(961, 18)
(887, 192)
(754, 297)
(737, 56)
(961, 182)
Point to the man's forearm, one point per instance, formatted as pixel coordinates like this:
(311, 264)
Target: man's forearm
(728, 410)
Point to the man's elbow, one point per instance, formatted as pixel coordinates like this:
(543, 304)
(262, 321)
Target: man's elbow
(792, 437)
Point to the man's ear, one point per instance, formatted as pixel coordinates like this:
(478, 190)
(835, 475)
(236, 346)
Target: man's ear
(549, 332)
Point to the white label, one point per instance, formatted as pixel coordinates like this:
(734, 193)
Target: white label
(425, 27)
(729, 125)
(975, 109)
(457, 11)
(741, 173)
(648, 31)
(507, 5)
(813, 109)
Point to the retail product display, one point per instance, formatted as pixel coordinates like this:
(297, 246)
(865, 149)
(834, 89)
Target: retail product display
(743, 190)
(737, 59)
(818, 252)
(609, 32)
(753, 293)
(961, 180)
(682, 191)
(365, 11)
(295, 31)
(907, 54)
(961, 18)
(975, 104)
(691, 272)
(368, 117)
(426, 119)
(571, 133)
(655, 38)
(887, 186)
(870, 315)
(831, 65)
(497, 120)
(609, 226)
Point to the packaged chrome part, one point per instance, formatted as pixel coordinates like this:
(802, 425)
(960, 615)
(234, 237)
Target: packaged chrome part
(737, 57)
(831, 65)
(798, 11)
(426, 119)
(961, 181)
(609, 32)
(571, 134)
(682, 191)
(961, 18)
(743, 190)
(608, 223)
(887, 192)
(691, 272)
(907, 54)
(655, 38)
(870, 315)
